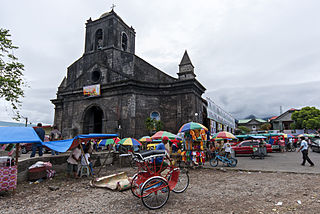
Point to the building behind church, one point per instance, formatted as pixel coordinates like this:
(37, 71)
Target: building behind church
(111, 90)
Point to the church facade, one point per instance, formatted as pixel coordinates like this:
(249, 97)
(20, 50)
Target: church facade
(111, 90)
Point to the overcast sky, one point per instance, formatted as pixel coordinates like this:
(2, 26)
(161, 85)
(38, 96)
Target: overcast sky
(253, 56)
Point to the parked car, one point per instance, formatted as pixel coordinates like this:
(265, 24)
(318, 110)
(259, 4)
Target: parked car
(315, 145)
(246, 147)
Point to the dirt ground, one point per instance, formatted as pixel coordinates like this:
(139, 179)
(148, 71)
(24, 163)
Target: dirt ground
(210, 191)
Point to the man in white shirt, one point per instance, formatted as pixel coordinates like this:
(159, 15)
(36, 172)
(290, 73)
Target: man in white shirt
(304, 150)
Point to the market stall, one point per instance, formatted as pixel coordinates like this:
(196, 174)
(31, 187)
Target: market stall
(195, 137)
(8, 166)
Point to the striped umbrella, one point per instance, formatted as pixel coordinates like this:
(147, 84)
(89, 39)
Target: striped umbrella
(287, 136)
(105, 142)
(224, 135)
(161, 134)
(191, 126)
(145, 139)
(129, 142)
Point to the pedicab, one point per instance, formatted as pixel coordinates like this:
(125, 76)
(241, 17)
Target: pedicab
(153, 182)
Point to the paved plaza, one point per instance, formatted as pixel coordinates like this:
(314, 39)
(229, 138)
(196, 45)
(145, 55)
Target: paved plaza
(280, 162)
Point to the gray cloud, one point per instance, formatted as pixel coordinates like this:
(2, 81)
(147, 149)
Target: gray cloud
(251, 55)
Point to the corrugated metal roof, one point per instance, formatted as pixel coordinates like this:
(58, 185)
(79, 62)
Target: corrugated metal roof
(244, 121)
(261, 120)
(248, 120)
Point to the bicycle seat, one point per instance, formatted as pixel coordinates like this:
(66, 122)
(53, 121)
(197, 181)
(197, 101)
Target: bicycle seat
(150, 154)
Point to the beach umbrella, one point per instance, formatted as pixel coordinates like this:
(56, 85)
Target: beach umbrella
(145, 139)
(161, 134)
(288, 135)
(105, 142)
(192, 126)
(225, 135)
(129, 142)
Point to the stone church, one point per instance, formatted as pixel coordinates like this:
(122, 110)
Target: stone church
(111, 90)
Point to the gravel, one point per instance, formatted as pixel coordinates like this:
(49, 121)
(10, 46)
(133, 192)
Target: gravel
(210, 191)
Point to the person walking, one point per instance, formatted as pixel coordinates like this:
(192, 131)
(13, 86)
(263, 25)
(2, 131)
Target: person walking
(40, 132)
(54, 136)
(304, 149)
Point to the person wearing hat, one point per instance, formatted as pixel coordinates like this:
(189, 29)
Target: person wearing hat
(304, 150)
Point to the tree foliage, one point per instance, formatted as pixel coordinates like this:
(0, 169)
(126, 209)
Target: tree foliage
(11, 73)
(244, 130)
(153, 125)
(265, 126)
(306, 118)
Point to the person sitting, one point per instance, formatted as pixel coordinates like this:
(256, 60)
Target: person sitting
(72, 161)
(227, 148)
(162, 146)
(85, 159)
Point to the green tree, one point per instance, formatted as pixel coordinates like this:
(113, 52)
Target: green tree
(153, 125)
(244, 130)
(11, 73)
(265, 126)
(306, 118)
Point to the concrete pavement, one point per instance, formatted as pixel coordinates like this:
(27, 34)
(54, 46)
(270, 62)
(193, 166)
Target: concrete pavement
(280, 162)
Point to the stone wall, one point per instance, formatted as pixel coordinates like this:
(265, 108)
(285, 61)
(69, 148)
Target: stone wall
(59, 163)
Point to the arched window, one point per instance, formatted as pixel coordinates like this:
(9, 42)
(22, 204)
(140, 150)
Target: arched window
(124, 41)
(98, 39)
(155, 115)
(95, 75)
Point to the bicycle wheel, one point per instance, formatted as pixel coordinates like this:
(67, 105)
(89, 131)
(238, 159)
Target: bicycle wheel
(232, 162)
(135, 187)
(214, 162)
(155, 192)
(183, 182)
(293, 149)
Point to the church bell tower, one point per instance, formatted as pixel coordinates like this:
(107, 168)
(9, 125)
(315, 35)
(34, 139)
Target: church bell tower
(109, 31)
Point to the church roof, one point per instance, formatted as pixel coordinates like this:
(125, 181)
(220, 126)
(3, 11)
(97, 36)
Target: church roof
(185, 59)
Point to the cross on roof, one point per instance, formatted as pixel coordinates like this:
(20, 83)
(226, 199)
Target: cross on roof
(113, 6)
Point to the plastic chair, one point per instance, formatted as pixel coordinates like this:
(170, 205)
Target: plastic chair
(83, 170)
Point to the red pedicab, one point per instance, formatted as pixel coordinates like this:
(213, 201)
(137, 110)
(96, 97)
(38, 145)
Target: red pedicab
(153, 183)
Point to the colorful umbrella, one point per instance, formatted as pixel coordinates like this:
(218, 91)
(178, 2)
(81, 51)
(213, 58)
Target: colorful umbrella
(105, 142)
(224, 135)
(129, 142)
(161, 134)
(306, 135)
(145, 139)
(287, 135)
(191, 126)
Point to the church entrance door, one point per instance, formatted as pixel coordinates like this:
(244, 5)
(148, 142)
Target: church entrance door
(93, 120)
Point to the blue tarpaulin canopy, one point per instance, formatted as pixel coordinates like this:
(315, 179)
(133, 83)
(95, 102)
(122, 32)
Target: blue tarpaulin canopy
(28, 135)
(65, 145)
(18, 135)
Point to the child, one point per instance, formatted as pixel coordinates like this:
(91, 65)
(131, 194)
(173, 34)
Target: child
(85, 159)
(227, 148)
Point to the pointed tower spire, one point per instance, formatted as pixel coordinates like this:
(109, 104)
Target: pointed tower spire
(185, 59)
(186, 69)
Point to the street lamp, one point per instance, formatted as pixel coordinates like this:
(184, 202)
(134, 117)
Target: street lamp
(196, 116)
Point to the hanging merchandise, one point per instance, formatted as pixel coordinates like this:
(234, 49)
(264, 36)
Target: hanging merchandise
(195, 136)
